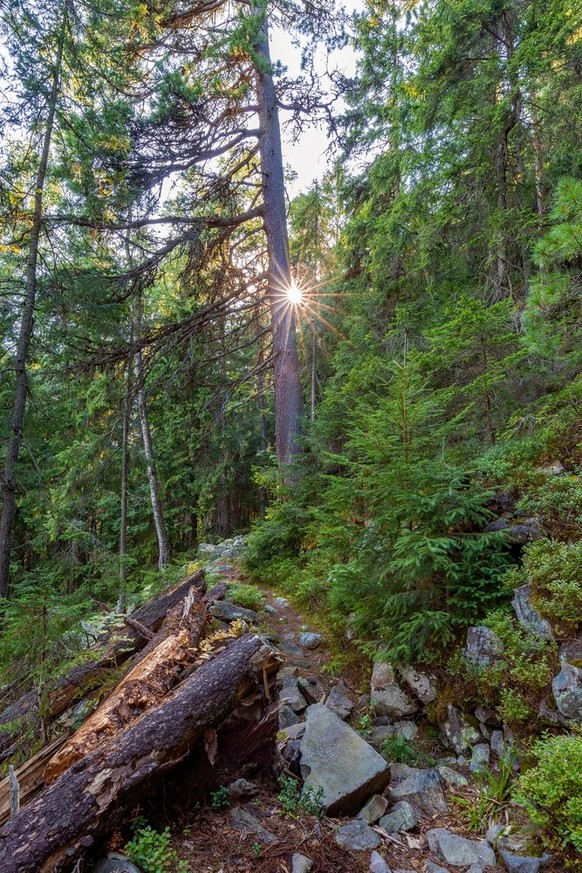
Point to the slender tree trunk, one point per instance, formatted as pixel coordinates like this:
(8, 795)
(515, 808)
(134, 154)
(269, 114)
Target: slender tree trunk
(8, 485)
(127, 404)
(539, 159)
(164, 552)
(288, 399)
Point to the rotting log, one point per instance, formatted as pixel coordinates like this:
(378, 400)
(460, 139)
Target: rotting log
(88, 800)
(106, 655)
(30, 776)
(159, 669)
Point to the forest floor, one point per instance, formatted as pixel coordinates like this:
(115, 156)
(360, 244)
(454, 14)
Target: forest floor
(204, 835)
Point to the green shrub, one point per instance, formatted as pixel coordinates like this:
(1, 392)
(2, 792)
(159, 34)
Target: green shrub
(398, 750)
(247, 596)
(150, 850)
(551, 791)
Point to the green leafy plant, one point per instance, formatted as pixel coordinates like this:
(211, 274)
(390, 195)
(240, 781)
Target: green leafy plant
(398, 750)
(248, 596)
(293, 800)
(257, 850)
(150, 850)
(219, 799)
(551, 791)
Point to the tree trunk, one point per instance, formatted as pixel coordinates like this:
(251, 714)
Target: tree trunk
(8, 486)
(89, 799)
(127, 404)
(164, 552)
(109, 655)
(288, 399)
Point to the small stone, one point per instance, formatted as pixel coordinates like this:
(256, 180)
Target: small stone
(294, 731)
(459, 734)
(246, 822)
(479, 758)
(301, 863)
(311, 688)
(115, 863)
(358, 836)
(498, 743)
(406, 729)
(280, 602)
(229, 612)
(423, 790)
(459, 851)
(287, 717)
(270, 610)
(475, 868)
(340, 700)
(567, 690)
(378, 864)
(387, 697)
(452, 777)
(483, 647)
(554, 469)
(310, 641)
(494, 831)
(400, 772)
(241, 788)
(419, 683)
(402, 817)
(485, 715)
(379, 734)
(571, 651)
(522, 863)
(290, 693)
(374, 809)
(431, 867)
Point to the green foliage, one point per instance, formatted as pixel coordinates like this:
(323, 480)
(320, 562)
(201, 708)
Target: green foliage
(551, 791)
(294, 800)
(248, 596)
(397, 749)
(150, 850)
(219, 799)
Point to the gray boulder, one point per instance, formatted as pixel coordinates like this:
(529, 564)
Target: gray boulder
(287, 717)
(115, 863)
(387, 697)
(522, 863)
(528, 616)
(336, 759)
(310, 641)
(459, 851)
(301, 863)
(374, 809)
(457, 732)
(483, 647)
(379, 734)
(423, 790)
(229, 612)
(405, 729)
(247, 823)
(419, 683)
(571, 651)
(358, 836)
(452, 777)
(341, 701)
(311, 688)
(402, 817)
(567, 690)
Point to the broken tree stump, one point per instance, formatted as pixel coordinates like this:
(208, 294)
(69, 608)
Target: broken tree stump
(158, 669)
(88, 799)
(107, 655)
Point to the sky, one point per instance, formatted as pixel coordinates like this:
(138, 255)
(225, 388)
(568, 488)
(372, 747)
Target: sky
(307, 157)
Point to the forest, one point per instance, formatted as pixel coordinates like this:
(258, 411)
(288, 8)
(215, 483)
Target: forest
(377, 382)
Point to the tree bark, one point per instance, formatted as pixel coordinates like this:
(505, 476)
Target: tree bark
(288, 397)
(127, 404)
(8, 486)
(88, 800)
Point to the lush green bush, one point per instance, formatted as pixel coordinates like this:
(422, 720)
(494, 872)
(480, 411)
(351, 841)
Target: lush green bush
(551, 791)
(247, 596)
(150, 850)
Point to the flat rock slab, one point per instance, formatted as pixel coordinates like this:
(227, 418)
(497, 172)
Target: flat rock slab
(229, 612)
(423, 790)
(341, 701)
(290, 693)
(358, 836)
(246, 822)
(522, 863)
(459, 851)
(337, 760)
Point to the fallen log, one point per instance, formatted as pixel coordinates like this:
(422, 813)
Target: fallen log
(30, 776)
(105, 656)
(88, 800)
(158, 669)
